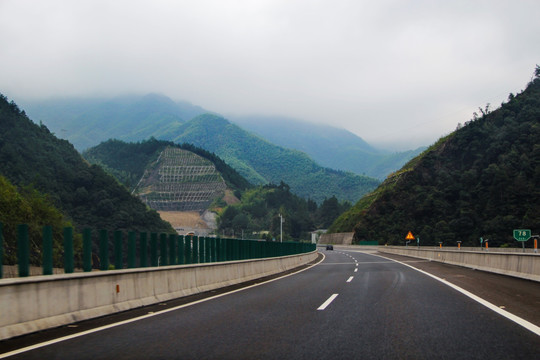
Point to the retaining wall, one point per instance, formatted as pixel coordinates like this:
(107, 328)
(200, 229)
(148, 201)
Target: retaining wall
(522, 265)
(36, 303)
(336, 238)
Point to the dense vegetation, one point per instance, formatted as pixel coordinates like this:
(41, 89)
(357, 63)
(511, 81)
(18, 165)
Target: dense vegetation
(328, 146)
(88, 122)
(258, 214)
(85, 194)
(483, 180)
(27, 206)
(261, 162)
(127, 161)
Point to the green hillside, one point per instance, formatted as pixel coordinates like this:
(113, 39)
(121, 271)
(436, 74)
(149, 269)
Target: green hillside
(483, 180)
(85, 194)
(127, 161)
(26, 205)
(262, 162)
(328, 146)
(258, 214)
(87, 122)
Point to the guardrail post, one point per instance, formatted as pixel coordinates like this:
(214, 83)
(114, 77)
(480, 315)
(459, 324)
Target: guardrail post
(213, 243)
(143, 249)
(132, 250)
(153, 249)
(219, 250)
(180, 249)
(228, 249)
(207, 249)
(87, 250)
(68, 250)
(195, 249)
(103, 249)
(187, 249)
(47, 250)
(237, 249)
(23, 252)
(202, 249)
(172, 249)
(163, 259)
(1, 251)
(118, 263)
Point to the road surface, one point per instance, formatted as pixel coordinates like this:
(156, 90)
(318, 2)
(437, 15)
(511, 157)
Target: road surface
(352, 305)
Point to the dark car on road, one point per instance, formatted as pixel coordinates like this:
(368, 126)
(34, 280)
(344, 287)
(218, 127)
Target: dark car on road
(329, 247)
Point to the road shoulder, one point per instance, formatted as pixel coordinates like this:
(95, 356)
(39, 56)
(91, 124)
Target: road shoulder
(518, 296)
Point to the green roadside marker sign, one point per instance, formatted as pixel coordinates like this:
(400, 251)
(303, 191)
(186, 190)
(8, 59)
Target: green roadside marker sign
(522, 234)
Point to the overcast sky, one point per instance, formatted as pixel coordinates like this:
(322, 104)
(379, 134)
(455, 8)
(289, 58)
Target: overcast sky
(397, 73)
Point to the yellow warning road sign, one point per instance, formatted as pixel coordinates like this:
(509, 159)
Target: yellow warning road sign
(409, 236)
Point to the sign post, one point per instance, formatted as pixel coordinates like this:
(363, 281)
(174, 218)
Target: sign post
(522, 235)
(409, 237)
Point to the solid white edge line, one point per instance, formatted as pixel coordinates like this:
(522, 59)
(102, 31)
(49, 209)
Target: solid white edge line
(520, 321)
(327, 302)
(105, 327)
(350, 279)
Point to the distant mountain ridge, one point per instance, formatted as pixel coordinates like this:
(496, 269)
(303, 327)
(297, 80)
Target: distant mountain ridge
(87, 122)
(140, 118)
(329, 146)
(261, 162)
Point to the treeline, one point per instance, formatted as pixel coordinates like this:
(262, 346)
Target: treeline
(30, 155)
(261, 162)
(128, 161)
(483, 180)
(25, 205)
(258, 214)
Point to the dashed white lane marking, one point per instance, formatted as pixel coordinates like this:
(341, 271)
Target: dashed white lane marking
(350, 279)
(327, 302)
(527, 325)
(355, 270)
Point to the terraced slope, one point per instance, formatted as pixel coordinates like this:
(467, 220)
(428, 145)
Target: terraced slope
(180, 180)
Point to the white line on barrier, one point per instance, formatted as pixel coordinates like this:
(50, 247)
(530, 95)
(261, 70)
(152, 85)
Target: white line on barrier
(105, 327)
(327, 302)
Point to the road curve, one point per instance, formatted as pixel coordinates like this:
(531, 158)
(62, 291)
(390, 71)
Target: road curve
(352, 305)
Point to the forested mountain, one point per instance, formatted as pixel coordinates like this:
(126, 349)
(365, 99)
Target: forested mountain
(127, 161)
(483, 180)
(25, 205)
(258, 214)
(87, 122)
(261, 162)
(31, 156)
(259, 208)
(329, 146)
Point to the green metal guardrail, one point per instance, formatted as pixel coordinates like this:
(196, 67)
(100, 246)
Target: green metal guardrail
(165, 249)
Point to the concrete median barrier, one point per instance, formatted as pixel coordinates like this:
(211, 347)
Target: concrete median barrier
(42, 302)
(522, 265)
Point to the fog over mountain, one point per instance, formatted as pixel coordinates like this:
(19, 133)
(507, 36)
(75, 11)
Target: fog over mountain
(399, 74)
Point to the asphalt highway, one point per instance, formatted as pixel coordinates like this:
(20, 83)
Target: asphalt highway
(352, 305)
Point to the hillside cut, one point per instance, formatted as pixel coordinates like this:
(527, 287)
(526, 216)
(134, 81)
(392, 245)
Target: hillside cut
(180, 180)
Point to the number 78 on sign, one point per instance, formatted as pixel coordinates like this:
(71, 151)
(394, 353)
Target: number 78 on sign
(522, 234)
